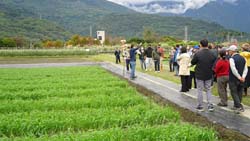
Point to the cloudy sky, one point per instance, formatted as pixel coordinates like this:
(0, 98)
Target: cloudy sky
(156, 8)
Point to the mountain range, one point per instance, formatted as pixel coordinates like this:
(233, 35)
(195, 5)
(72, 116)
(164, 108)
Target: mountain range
(60, 19)
(232, 14)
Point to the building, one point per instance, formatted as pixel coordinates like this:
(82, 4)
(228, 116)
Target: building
(101, 36)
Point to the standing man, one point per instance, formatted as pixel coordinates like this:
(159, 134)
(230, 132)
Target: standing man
(117, 56)
(161, 52)
(149, 60)
(176, 65)
(132, 54)
(204, 60)
(237, 75)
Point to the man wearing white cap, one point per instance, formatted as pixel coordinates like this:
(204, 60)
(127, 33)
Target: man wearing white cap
(237, 75)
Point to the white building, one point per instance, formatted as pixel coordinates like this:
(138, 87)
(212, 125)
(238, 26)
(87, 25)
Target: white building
(101, 36)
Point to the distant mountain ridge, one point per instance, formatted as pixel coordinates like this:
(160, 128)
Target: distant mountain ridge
(63, 18)
(232, 14)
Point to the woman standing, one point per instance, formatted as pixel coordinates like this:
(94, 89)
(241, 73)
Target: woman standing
(222, 72)
(184, 71)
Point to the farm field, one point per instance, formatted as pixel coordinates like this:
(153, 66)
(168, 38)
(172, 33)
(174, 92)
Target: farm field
(84, 103)
(165, 74)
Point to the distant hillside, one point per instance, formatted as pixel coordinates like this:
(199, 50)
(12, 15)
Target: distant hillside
(19, 22)
(132, 25)
(231, 15)
(76, 16)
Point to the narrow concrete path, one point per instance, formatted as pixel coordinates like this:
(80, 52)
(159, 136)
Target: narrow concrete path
(169, 91)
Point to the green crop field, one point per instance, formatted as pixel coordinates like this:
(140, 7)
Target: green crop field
(84, 103)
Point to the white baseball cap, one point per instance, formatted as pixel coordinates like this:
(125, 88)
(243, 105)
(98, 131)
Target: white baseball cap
(232, 48)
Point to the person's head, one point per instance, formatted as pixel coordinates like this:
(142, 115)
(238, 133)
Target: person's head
(232, 49)
(204, 43)
(246, 47)
(213, 46)
(183, 50)
(177, 46)
(223, 54)
(132, 45)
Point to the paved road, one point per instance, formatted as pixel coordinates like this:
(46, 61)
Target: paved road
(169, 91)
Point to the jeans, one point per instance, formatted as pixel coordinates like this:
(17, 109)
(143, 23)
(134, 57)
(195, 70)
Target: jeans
(157, 65)
(203, 85)
(143, 64)
(127, 64)
(132, 74)
(117, 59)
(171, 65)
(176, 68)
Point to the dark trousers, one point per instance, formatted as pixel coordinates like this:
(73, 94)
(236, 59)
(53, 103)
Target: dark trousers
(117, 59)
(157, 65)
(127, 64)
(191, 79)
(222, 88)
(236, 88)
(184, 83)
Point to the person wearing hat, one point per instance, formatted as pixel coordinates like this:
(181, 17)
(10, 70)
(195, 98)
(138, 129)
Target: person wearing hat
(204, 61)
(246, 54)
(126, 57)
(192, 69)
(237, 74)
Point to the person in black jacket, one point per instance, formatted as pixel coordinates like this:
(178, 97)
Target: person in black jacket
(204, 60)
(149, 60)
(117, 56)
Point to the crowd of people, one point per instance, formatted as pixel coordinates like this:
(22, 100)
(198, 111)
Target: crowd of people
(200, 65)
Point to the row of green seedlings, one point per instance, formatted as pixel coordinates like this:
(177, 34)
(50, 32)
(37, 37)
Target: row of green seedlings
(169, 132)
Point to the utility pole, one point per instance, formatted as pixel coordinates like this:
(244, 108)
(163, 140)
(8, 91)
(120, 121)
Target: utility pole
(228, 37)
(90, 31)
(186, 34)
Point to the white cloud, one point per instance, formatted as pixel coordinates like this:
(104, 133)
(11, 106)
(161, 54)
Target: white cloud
(180, 7)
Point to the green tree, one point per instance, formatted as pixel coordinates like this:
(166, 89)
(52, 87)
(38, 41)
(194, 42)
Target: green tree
(1, 43)
(8, 42)
(149, 35)
(75, 40)
(20, 41)
(58, 43)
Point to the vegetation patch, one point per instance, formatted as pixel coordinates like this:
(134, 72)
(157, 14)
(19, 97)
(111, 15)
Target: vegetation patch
(84, 103)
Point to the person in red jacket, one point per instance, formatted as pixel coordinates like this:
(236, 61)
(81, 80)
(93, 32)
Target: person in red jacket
(222, 72)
